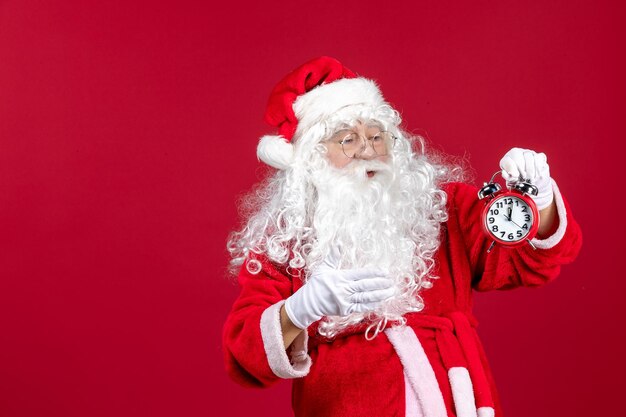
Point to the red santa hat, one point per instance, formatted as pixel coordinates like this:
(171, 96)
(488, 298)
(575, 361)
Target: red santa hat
(307, 96)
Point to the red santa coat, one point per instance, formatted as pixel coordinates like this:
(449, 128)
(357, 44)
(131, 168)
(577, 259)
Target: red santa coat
(434, 366)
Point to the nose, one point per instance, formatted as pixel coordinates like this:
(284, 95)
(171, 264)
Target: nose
(367, 150)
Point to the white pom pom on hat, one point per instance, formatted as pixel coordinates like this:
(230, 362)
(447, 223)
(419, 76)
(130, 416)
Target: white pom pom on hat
(313, 91)
(275, 151)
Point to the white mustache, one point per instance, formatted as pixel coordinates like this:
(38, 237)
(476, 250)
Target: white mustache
(362, 167)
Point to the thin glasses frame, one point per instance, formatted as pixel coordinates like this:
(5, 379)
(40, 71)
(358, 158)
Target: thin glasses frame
(388, 138)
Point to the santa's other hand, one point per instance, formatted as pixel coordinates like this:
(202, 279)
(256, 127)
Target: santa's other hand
(338, 292)
(529, 166)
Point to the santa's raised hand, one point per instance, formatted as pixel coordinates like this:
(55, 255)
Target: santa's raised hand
(529, 166)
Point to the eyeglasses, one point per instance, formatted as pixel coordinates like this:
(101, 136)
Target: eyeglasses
(353, 144)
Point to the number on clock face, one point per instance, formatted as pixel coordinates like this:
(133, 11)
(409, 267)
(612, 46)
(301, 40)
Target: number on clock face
(509, 218)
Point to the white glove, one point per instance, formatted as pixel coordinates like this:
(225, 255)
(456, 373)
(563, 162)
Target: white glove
(337, 292)
(524, 164)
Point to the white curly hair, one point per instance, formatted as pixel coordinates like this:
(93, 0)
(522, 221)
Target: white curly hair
(297, 215)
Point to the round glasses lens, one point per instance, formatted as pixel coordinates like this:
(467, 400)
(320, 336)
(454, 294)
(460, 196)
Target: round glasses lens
(351, 144)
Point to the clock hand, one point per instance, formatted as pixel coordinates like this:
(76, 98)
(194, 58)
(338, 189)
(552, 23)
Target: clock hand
(510, 212)
(515, 224)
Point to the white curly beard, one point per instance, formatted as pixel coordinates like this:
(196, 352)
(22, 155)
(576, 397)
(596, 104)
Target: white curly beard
(355, 212)
(372, 219)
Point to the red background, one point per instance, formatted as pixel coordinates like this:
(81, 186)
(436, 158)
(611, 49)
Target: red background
(128, 129)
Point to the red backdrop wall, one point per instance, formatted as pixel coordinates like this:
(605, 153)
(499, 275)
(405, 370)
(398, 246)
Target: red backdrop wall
(128, 130)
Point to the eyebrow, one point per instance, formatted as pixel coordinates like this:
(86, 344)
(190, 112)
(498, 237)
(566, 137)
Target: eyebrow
(345, 127)
(337, 136)
(342, 126)
(375, 124)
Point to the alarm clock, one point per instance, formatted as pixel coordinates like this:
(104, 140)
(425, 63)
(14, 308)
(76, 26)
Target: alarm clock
(510, 216)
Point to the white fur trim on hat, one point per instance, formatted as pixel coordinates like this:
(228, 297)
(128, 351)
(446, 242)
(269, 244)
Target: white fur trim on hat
(327, 99)
(275, 151)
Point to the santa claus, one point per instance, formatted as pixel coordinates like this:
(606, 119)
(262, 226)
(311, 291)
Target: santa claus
(359, 254)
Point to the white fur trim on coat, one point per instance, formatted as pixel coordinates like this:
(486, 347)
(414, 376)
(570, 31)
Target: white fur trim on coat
(298, 363)
(553, 240)
(275, 151)
(412, 406)
(462, 392)
(486, 412)
(418, 370)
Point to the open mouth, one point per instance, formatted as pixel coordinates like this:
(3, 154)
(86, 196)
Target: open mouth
(370, 174)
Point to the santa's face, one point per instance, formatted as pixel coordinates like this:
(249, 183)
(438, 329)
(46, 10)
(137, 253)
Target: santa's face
(359, 142)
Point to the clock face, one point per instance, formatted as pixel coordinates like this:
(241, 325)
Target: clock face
(509, 219)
